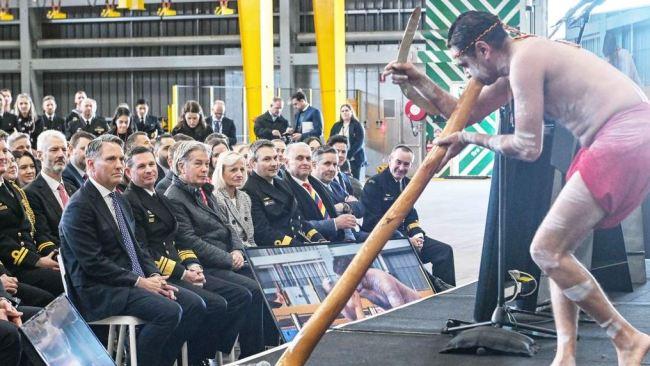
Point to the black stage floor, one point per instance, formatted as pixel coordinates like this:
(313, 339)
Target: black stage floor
(411, 336)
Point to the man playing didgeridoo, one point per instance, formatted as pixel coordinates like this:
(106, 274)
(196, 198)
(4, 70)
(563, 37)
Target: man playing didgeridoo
(608, 178)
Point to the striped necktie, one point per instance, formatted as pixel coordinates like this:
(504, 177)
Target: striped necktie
(126, 235)
(317, 200)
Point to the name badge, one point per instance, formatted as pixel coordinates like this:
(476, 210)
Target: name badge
(388, 197)
(3, 207)
(268, 201)
(151, 217)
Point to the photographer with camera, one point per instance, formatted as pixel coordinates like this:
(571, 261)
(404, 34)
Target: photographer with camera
(271, 125)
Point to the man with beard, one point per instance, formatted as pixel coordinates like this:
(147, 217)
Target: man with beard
(161, 151)
(75, 171)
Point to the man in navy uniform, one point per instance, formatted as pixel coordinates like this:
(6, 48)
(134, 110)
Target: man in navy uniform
(145, 122)
(88, 120)
(274, 208)
(382, 190)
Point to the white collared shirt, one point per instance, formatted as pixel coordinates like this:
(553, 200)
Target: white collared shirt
(54, 186)
(104, 192)
(301, 182)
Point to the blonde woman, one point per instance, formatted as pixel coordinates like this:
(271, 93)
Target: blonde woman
(229, 176)
(26, 117)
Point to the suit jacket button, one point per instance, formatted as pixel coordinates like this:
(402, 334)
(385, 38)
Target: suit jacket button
(234, 222)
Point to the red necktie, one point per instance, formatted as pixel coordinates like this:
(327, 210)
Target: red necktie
(63, 194)
(203, 197)
(317, 200)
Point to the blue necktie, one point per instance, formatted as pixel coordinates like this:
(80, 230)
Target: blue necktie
(337, 192)
(126, 236)
(217, 126)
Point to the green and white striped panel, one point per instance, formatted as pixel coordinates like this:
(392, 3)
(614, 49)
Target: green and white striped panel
(439, 15)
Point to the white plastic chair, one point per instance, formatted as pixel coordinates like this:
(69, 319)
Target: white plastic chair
(123, 322)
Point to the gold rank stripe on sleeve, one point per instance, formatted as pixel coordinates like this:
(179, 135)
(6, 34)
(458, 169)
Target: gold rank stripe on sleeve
(413, 225)
(285, 241)
(19, 255)
(166, 266)
(44, 245)
(310, 234)
(186, 254)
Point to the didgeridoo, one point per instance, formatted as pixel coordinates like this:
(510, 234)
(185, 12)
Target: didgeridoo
(302, 346)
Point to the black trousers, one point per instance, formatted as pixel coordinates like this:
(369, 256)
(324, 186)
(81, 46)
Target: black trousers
(43, 278)
(33, 296)
(227, 305)
(441, 257)
(253, 328)
(10, 344)
(169, 323)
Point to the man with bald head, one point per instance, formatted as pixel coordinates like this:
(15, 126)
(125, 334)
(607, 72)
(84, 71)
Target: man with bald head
(222, 124)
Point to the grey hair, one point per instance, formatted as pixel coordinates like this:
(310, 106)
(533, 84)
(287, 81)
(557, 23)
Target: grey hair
(296, 145)
(15, 137)
(94, 148)
(317, 155)
(182, 153)
(45, 136)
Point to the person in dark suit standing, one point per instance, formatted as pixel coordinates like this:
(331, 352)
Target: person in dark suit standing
(143, 121)
(49, 120)
(271, 125)
(309, 121)
(203, 228)
(314, 202)
(192, 122)
(74, 173)
(382, 190)
(18, 250)
(108, 271)
(88, 120)
(350, 127)
(156, 229)
(275, 211)
(48, 194)
(222, 124)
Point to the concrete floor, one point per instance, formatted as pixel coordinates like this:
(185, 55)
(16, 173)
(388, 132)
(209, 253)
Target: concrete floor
(453, 211)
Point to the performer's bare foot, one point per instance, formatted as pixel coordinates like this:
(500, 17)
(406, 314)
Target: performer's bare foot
(633, 350)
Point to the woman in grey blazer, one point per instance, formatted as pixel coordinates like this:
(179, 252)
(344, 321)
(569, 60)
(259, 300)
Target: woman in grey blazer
(230, 175)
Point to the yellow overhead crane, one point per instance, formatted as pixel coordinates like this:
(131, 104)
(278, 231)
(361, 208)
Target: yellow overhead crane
(55, 12)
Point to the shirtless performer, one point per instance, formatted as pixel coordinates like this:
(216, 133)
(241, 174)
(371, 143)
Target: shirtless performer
(608, 178)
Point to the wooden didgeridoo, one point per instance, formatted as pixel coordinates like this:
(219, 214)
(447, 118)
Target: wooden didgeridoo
(302, 346)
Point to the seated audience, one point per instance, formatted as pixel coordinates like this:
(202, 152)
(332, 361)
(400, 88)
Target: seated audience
(243, 150)
(192, 123)
(8, 120)
(144, 122)
(108, 271)
(217, 147)
(49, 120)
(229, 177)
(161, 187)
(77, 111)
(11, 172)
(314, 202)
(18, 251)
(26, 114)
(275, 211)
(325, 169)
(281, 148)
(314, 143)
(87, 121)
(138, 138)
(19, 141)
(222, 124)
(203, 228)
(48, 194)
(74, 173)
(161, 150)
(382, 190)
(357, 186)
(271, 125)
(349, 126)
(27, 167)
(10, 336)
(155, 230)
(340, 144)
(6, 98)
(121, 125)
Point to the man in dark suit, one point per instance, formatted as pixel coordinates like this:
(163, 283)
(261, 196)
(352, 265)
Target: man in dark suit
(314, 201)
(110, 274)
(206, 230)
(161, 152)
(222, 124)
(74, 173)
(274, 209)
(156, 229)
(10, 337)
(309, 121)
(48, 194)
(17, 248)
(49, 120)
(88, 120)
(79, 97)
(145, 122)
(340, 144)
(271, 125)
(382, 190)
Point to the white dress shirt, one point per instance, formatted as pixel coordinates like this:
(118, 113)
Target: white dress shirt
(54, 186)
